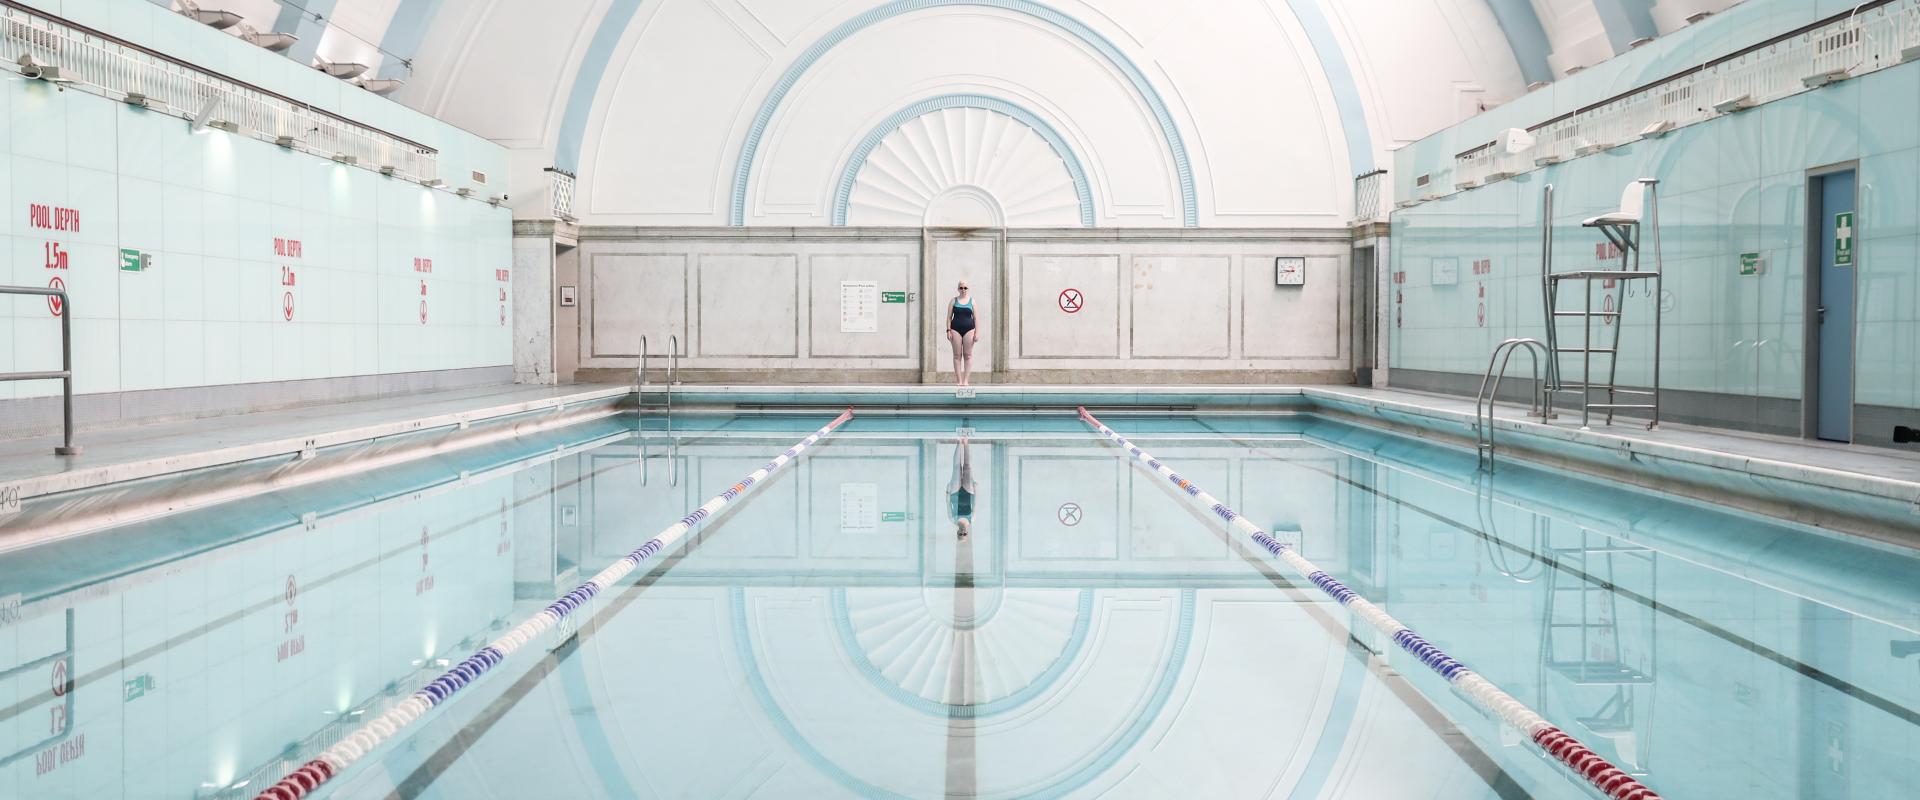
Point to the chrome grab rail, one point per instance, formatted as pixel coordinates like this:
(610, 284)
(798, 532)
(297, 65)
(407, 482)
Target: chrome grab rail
(1483, 401)
(673, 372)
(640, 385)
(64, 374)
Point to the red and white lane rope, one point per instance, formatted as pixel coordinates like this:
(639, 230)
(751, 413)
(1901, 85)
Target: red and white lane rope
(1557, 743)
(337, 758)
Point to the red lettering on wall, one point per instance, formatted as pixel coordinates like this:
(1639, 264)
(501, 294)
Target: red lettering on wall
(423, 265)
(52, 218)
(286, 248)
(292, 647)
(501, 275)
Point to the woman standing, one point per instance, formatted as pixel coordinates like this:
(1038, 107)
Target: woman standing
(962, 331)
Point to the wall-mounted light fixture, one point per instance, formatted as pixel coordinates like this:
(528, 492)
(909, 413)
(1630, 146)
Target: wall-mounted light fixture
(271, 40)
(286, 141)
(348, 160)
(226, 125)
(339, 69)
(434, 183)
(380, 86)
(1657, 129)
(205, 114)
(464, 191)
(388, 170)
(1735, 104)
(138, 100)
(35, 71)
(1820, 79)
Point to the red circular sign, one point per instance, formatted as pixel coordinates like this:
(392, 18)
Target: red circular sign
(293, 590)
(1607, 305)
(54, 303)
(1071, 301)
(423, 312)
(286, 305)
(60, 678)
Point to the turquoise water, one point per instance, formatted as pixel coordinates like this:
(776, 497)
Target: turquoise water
(830, 634)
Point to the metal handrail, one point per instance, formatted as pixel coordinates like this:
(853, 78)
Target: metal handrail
(640, 385)
(673, 373)
(1483, 432)
(65, 373)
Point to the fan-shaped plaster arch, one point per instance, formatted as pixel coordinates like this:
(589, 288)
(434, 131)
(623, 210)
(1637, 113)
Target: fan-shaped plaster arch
(1147, 94)
(899, 171)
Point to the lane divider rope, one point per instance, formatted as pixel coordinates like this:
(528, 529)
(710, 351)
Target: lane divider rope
(363, 740)
(1558, 744)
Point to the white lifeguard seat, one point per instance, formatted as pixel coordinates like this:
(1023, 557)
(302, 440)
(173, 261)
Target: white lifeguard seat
(1633, 202)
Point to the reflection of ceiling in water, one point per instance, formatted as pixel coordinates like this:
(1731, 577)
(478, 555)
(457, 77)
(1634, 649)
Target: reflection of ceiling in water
(907, 642)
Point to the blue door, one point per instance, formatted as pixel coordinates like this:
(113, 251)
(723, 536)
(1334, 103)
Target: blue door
(1834, 311)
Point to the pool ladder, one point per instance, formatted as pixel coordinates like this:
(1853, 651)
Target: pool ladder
(1483, 401)
(640, 398)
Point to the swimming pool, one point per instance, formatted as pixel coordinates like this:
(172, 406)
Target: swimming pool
(829, 634)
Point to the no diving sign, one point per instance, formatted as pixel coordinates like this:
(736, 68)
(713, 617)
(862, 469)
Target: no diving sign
(1069, 514)
(1071, 301)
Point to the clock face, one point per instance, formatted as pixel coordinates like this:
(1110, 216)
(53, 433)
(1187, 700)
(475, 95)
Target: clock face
(1290, 271)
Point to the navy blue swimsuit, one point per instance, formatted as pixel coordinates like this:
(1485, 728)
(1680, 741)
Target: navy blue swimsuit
(962, 322)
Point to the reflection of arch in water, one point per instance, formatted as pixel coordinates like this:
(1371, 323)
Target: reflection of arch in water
(1116, 747)
(1038, 686)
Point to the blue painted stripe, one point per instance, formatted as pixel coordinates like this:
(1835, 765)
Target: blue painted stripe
(1526, 37)
(844, 193)
(300, 22)
(586, 82)
(404, 33)
(1346, 91)
(1625, 21)
(743, 170)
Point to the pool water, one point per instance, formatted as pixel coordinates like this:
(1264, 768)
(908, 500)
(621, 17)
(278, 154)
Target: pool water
(831, 633)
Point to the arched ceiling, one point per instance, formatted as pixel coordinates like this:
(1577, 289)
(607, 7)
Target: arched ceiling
(1225, 113)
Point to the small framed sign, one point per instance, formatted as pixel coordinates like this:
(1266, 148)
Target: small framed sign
(567, 297)
(1289, 271)
(1446, 271)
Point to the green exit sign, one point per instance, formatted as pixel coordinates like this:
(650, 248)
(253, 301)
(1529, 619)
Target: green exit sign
(893, 516)
(1843, 239)
(893, 297)
(1749, 263)
(132, 260)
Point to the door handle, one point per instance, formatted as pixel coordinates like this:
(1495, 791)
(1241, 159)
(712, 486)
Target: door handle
(1822, 312)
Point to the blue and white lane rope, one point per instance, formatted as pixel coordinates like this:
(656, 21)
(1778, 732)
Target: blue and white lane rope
(337, 758)
(1557, 743)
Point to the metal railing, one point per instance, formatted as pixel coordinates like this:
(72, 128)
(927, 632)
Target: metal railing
(1489, 394)
(65, 374)
(88, 60)
(561, 185)
(1873, 36)
(1368, 193)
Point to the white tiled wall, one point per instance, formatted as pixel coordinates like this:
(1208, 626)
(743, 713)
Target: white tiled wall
(209, 206)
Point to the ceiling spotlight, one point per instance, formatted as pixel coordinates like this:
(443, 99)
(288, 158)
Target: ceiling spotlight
(339, 69)
(381, 86)
(226, 125)
(286, 141)
(346, 159)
